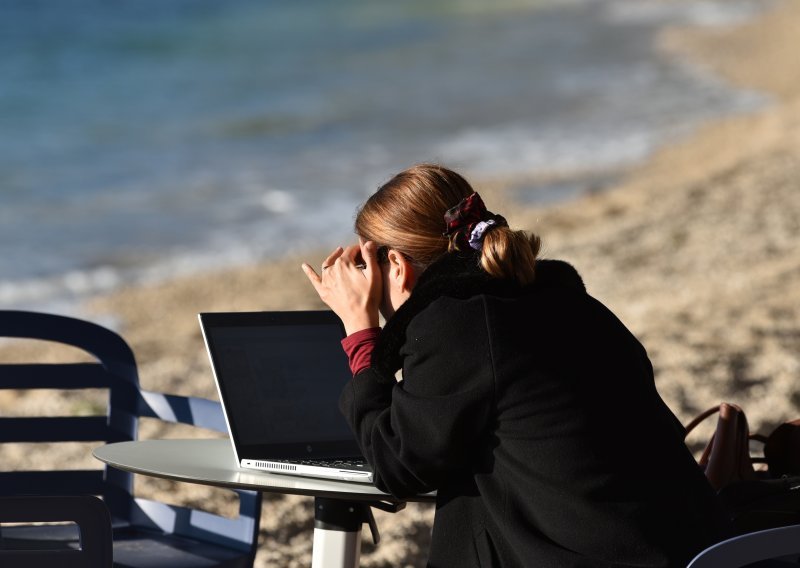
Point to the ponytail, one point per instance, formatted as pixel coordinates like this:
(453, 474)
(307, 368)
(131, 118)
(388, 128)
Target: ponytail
(510, 254)
(504, 253)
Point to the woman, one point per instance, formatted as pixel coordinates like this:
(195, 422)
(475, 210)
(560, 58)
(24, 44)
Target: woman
(524, 402)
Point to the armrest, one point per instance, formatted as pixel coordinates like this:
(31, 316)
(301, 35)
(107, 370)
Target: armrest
(193, 410)
(88, 512)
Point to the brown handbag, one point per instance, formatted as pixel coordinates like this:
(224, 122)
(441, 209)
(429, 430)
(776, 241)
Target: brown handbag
(753, 500)
(782, 450)
(726, 458)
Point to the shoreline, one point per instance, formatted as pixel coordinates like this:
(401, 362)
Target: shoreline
(694, 250)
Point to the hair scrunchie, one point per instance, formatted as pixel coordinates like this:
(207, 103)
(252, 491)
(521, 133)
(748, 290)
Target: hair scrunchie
(469, 221)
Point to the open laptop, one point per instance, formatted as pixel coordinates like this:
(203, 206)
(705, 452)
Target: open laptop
(279, 376)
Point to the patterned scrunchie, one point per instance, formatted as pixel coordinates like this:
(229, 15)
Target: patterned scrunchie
(469, 221)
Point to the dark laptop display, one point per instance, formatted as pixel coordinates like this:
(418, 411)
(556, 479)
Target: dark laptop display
(279, 375)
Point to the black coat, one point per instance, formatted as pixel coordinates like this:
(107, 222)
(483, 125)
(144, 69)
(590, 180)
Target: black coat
(534, 414)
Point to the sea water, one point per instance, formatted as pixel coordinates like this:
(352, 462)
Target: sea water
(141, 139)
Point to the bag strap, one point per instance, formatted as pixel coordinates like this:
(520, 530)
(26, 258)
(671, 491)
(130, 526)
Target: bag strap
(714, 409)
(699, 418)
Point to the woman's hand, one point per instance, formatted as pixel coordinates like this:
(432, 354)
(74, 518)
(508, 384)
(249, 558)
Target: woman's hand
(351, 289)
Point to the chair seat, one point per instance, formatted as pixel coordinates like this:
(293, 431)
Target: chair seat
(133, 548)
(40, 537)
(144, 549)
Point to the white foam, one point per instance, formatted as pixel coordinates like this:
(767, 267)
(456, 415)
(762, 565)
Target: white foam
(517, 150)
(312, 222)
(62, 294)
(701, 13)
(277, 201)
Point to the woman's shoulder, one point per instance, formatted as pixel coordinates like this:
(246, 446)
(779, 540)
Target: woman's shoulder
(474, 302)
(552, 273)
(456, 281)
(452, 292)
(459, 275)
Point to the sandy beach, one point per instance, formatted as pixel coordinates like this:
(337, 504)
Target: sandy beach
(695, 250)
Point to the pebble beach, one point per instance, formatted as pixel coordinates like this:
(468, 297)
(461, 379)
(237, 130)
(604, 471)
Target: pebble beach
(696, 250)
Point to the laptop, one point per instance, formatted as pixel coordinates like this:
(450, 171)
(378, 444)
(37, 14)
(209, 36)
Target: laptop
(279, 376)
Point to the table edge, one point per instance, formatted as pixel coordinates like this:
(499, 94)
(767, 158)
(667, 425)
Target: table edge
(242, 486)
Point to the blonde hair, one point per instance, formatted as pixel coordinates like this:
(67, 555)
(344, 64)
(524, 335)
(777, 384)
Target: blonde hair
(407, 214)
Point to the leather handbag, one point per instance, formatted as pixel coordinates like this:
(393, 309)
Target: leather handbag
(752, 499)
(782, 450)
(726, 458)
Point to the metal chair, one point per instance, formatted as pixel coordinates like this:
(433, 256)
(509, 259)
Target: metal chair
(93, 548)
(777, 547)
(146, 532)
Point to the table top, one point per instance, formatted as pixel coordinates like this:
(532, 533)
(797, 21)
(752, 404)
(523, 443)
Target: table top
(212, 462)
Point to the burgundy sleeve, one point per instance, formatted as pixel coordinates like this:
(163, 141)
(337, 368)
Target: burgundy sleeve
(359, 346)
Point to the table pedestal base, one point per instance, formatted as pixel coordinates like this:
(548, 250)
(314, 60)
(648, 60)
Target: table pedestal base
(336, 549)
(337, 532)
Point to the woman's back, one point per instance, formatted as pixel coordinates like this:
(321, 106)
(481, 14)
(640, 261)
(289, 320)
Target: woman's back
(567, 455)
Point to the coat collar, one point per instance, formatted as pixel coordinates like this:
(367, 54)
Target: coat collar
(459, 275)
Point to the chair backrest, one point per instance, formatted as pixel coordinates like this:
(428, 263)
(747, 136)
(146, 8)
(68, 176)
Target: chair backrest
(88, 512)
(114, 369)
(751, 547)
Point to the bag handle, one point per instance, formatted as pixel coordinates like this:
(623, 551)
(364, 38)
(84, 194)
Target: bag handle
(714, 409)
(699, 418)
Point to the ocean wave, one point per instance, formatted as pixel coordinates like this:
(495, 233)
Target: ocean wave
(699, 13)
(280, 222)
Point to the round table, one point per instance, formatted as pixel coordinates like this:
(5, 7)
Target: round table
(340, 507)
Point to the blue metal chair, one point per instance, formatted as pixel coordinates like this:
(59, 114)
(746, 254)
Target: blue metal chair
(770, 548)
(93, 548)
(146, 532)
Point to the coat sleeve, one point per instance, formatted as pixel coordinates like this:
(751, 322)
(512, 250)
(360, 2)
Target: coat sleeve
(431, 425)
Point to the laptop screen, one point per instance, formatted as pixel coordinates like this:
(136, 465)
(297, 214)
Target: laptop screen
(279, 375)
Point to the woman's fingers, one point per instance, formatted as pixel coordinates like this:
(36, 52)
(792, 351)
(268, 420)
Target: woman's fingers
(332, 257)
(372, 272)
(313, 277)
(351, 256)
(348, 289)
(316, 279)
(369, 252)
(328, 265)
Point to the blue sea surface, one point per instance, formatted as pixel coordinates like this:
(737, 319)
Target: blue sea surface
(140, 139)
